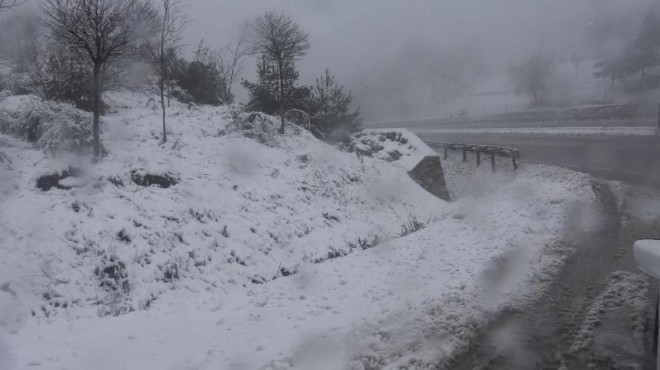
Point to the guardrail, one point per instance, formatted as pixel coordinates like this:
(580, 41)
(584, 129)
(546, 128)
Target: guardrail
(493, 151)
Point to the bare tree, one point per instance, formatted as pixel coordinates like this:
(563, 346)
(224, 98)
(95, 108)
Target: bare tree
(173, 23)
(8, 4)
(102, 29)
(236, 60)
(279, 39)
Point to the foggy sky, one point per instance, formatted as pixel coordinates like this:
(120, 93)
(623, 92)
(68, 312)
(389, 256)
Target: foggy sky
(365, 42)
(392, 53)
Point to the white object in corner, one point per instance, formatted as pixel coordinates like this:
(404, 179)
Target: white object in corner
(647, 256)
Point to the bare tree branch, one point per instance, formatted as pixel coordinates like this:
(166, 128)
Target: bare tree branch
(8, 4)
(104, 30)
(237, 52)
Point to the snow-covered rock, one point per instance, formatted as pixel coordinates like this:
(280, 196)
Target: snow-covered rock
(405, 149)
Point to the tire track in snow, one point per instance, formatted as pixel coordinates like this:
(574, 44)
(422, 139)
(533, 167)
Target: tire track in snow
(578, 321)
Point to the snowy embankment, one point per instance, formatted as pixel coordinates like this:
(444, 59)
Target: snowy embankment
(266, 251)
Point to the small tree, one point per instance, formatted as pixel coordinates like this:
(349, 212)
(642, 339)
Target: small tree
(330, 108)
(233, 61)
(103, 30)
(265, 95)
(277, 39)
(172, 24)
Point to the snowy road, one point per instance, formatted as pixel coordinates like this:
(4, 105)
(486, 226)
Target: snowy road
(598, 312)
(629, 158)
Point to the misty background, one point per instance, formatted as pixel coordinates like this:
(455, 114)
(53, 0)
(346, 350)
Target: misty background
(409, 59)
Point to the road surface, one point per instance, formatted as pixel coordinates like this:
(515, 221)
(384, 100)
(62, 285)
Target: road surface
(598, 312)
(586, 318)
(629, 158)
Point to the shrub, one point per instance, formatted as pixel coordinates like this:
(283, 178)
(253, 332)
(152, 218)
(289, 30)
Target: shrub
(411, 226)
(113, 281)
(50, 125)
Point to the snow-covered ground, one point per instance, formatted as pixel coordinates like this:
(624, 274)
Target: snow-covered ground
(269, 252)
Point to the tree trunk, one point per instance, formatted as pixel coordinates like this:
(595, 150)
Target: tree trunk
(96, 107)
(162, 86)
(282, 106)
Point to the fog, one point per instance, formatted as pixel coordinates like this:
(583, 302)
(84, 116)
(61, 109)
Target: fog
(404, 59)
(392, 54)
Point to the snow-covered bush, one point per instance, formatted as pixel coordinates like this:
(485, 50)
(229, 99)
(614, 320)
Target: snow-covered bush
(53, 126)
(257, 126)
(69, 129)
(114, 285)
(16, 83)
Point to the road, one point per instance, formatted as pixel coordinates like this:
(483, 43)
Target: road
(586, 318)
(597, 313)
(632, 158)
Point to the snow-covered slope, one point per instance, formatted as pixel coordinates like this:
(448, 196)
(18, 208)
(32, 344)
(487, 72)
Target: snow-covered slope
(269, 251)
(243, 210)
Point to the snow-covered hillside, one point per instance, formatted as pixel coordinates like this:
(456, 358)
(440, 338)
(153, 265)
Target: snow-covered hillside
(259, 250)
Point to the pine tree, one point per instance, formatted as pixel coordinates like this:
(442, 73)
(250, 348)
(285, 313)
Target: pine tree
(280, 42)
(275, 91)
(330, 109)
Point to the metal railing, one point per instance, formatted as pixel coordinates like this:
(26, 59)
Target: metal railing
(493, 151)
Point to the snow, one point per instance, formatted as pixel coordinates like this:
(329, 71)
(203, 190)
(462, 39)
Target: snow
(219, 268)
(625, 292)
(411, 148)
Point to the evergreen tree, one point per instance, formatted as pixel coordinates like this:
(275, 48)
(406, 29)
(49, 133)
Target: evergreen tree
(330, 109)
(275, 89)
(200, 81)
(280, 42)
(263, 95)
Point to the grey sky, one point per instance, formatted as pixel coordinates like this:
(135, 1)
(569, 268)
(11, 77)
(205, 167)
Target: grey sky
(363, 42)
(393, 53)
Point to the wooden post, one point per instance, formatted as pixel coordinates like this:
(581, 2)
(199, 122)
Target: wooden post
(464, 156)
(478, 158)
(445, 152)
(492, 161)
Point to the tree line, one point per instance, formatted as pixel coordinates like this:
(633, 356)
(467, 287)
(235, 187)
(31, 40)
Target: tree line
(97, 45)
